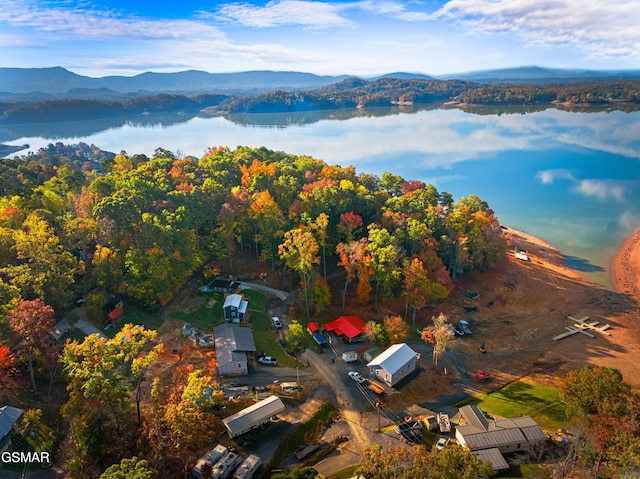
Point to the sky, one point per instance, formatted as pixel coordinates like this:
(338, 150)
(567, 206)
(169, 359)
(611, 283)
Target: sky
(360, 37)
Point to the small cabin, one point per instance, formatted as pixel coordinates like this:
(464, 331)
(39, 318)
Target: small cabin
(114, 316)
(220, 284)
(235, 308)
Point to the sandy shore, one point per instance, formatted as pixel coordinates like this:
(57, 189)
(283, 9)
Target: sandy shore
(625, 268)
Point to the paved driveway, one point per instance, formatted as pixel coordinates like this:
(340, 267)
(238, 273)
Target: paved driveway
(82, 324)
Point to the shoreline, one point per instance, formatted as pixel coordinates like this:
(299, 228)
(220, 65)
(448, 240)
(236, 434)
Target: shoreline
(625, 268)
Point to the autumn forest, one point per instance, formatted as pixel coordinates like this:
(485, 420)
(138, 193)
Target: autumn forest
(79, 224)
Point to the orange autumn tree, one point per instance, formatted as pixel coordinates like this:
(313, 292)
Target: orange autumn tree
(419, 288)
(299, 251)
(353, 258)
(267, 221)
(397, 329)
(6, 359)
(438, 336)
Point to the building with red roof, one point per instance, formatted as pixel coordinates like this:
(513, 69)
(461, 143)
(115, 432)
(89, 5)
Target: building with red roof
(347, 326)
(115, 315)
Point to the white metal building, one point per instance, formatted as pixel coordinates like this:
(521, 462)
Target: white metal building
(253, 416)
(394, 364)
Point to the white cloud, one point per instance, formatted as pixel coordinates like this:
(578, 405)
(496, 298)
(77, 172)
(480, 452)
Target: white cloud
(82, 23)
(313, 14)
(600, 28)
(391, 9)
(601, 189)
(547, 177)
(629, 221)
(285, 12)
(13, 40)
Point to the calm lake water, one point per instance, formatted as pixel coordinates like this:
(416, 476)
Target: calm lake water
(569, 178)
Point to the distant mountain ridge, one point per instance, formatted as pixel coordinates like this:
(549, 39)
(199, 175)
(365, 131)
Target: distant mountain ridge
(59, 81)
(536, 74)
(38, 84)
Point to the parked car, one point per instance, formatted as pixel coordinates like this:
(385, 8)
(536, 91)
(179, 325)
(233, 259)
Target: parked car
(356, 376)
(268, 360)
(464, 325)
(458, 331)
(357, 339)
(276, 322)
(442, 442)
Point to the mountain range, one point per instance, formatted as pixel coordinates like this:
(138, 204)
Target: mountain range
(57, 82)
(39, 84)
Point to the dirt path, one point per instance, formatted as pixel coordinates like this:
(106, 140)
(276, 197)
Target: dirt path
(282, 295)
(346, 400)
(357, 414)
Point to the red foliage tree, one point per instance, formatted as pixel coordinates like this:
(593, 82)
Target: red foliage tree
(412, 185)
(6, 360)
(33, 321)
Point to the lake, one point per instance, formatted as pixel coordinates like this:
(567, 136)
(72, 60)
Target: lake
(569, 178)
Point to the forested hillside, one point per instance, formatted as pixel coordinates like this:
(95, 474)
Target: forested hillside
(349, 93)
(142, 229)
(82, 109)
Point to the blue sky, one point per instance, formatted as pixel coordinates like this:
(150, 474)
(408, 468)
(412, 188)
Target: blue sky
(360, 37)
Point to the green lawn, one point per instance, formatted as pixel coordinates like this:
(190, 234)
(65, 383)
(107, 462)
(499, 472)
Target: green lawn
(522, 398)
(259, 321)
(205, 317)
(132, 315)
(267, 342)
(211, 314)
(257, 300)
(347, 473)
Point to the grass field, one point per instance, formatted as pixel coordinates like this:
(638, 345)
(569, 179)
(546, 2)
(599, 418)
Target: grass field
(347, 473)
(524, 398)
(208, 315)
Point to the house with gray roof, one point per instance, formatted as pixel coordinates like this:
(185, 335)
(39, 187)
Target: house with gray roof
(232, 344)
(8, 417)
(479, 432)
(235, 308)
(394, 364)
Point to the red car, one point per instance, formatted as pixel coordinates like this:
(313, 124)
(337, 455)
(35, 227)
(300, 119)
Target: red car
(482, 375)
